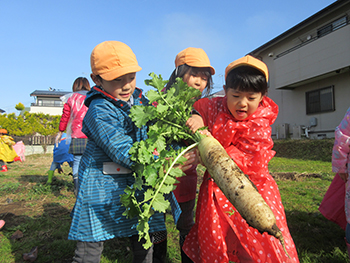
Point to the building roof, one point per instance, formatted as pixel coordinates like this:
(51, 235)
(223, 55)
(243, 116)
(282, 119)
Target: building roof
(1, 111)
(49, 93)
(220, 93)
(337, 4)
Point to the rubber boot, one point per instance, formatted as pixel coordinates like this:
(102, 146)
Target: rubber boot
(17, 158)
(49, 177)
(348, 247)
(4, 168)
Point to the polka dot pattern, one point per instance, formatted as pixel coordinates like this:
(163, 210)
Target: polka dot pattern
(220, 234)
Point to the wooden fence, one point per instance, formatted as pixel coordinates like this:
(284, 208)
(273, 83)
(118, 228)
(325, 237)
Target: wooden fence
(35, 139)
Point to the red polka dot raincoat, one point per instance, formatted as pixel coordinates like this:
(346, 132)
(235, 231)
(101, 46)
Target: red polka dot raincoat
(220, 234)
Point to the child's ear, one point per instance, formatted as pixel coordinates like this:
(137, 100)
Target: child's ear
(224, 87)
(261, 98)
(95, 79)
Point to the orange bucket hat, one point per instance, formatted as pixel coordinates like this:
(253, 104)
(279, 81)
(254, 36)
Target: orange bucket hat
(194, 57)
(3, 131)
(112, 59)
(248, 61)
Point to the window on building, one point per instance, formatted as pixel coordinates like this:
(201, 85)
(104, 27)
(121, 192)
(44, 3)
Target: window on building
(321, 100)
(58, 103)
(40, 102)
(340, 22)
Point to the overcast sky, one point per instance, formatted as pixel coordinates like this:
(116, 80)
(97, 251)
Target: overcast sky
(48, 43)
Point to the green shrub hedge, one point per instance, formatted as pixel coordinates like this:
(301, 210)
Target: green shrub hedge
(317, 150)
(30, 123)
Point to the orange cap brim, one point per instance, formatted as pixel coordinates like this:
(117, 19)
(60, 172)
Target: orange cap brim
(248, 61)
(194, 57)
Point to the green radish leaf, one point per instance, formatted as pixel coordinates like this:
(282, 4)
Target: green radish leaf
(167, 188)
(175, 173)
(166, 118)
(150, 175)
(160, 204)
(153, 96)
(144, 115)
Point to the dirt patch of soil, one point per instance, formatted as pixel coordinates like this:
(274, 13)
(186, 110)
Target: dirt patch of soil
(15, 208)
(294, 176)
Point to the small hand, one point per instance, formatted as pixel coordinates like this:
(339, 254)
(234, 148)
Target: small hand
(206, 132)
(58, 138)
(195, 122)
(192, 160)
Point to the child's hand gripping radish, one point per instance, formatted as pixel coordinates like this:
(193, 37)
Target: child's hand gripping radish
(169, 118)
(195, 122)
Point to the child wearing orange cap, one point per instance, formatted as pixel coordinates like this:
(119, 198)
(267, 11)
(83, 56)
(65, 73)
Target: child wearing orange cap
(106, 168)
(192, 65)
(240, 121)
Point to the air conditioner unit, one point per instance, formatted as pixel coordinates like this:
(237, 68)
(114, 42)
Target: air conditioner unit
(282, 131)
(297, 132)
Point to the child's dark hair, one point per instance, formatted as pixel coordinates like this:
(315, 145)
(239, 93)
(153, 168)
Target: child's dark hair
(247, 79)
(181, 70)
(81, 83)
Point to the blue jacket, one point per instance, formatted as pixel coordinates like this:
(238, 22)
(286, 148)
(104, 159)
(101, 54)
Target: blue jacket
(60, 152)
(97, 215)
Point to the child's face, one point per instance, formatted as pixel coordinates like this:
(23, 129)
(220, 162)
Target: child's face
(121, 88)
(196, 80)
(242, 104)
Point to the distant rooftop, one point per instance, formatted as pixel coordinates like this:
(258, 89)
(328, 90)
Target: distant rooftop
(1, 111)
(220, 93)
(49, 93)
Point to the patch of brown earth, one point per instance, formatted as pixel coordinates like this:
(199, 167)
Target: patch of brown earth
(294, 176)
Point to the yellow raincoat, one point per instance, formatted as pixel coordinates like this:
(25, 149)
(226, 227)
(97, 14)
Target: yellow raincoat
(7, 153)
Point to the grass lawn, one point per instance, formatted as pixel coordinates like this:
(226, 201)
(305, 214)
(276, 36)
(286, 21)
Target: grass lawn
(42, 213)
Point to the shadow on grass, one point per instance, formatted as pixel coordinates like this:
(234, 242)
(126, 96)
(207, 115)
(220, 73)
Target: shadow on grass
(48, 227)
(39, 185)
(49, 233)
(316, 238)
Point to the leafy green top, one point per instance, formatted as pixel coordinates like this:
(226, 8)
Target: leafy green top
(153, 173)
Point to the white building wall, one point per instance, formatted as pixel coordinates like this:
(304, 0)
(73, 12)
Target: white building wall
(320, 63)
(326, 54)
(46, 110)
(292, 104)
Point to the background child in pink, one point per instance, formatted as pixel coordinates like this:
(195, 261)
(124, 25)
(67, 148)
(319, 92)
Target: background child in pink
(340, 165)
(240, 121)
(73, 114)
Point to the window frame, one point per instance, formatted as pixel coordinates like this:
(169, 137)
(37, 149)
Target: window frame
(57, 103)
(309, 108)
(334, 25)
